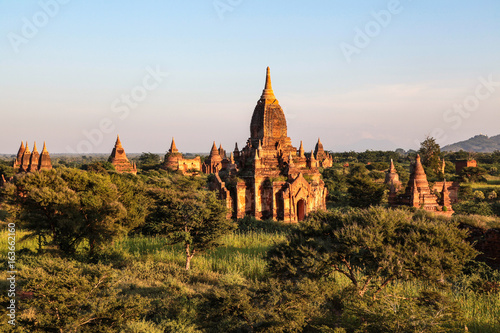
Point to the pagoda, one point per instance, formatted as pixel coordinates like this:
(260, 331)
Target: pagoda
(269, 178)
(119, 159)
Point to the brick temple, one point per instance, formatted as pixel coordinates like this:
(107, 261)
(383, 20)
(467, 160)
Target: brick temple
(269, 178)
(119, 159)
(417, 192)
(27, 161)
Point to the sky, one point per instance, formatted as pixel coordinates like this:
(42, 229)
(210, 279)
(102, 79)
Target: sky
(357, 74)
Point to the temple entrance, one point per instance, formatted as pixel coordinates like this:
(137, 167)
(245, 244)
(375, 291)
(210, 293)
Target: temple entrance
(301, 210)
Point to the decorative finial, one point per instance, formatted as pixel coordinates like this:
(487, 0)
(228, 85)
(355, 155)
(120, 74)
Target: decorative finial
(268, 93)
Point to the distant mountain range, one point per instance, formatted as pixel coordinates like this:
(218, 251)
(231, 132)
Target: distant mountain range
(479, 144)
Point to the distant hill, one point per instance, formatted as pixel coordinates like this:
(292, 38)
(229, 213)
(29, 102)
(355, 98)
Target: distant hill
(479, 143)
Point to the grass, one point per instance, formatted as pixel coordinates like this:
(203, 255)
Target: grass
(241, 253)
(30, 244)
(242, 258)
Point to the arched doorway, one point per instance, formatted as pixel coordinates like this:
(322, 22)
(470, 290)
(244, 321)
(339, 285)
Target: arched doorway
(301, 210)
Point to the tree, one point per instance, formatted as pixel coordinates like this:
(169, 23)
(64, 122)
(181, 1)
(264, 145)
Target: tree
(372, 248)
(194, 218)
(149, 160)
(363, 191)
(63, 207)
(68, 296)
(430, 152)
(472, 174)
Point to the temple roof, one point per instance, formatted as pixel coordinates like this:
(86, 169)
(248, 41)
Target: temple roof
(214, 151)
(268, 120)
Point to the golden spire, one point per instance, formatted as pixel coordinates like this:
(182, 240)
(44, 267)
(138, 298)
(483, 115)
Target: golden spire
(34, 148)
(268, 93)
(44, 150)
(27, 150)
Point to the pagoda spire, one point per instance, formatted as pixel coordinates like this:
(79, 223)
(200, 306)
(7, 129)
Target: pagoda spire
(214, 150)
(392, 169)
(301, 150)
(268, 93)
(44, 150)
(20, 154)
(34, 148)
(118, 142)
(173, 148)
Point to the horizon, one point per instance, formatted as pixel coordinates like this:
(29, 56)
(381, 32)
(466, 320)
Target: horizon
(371, 75)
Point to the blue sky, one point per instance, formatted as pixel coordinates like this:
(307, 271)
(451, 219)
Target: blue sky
(415, 69)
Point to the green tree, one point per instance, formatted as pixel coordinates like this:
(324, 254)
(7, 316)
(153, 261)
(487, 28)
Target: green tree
(63, 207)
(67, 296)
(430, 153)
(363, 191)
(372, 248)
(149, 161)
(194, 218)
(473, 174)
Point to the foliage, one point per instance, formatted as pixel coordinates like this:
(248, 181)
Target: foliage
(99, 167)
(430, 153)
(472, 174)
(473, 208)
(251, 224)
(372, 248)
(149, 161)
(336, 183)
(363, 191)
(429, 311)
(196, 219)
(60, 296)
(69, 206)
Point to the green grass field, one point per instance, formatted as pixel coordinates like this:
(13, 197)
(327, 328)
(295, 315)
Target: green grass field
(242, 258)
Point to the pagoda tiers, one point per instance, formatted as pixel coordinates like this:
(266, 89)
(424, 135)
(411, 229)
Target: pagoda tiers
(175, 161)
(418, 194)
(269, 178)
(120, 161)
(27, 161)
